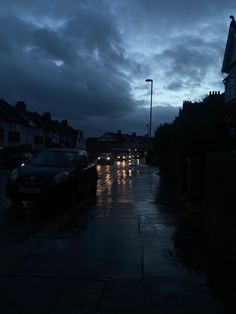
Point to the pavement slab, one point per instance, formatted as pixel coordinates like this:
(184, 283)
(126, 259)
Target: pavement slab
(80, 297)
(123, 296)
(180, 295)
(30, 295)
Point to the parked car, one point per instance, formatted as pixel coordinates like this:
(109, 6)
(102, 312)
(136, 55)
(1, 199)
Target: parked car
(105, 159)
(17, 159)
(53, 174)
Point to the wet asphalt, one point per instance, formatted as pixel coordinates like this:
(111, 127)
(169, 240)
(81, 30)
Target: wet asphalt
(135, 249)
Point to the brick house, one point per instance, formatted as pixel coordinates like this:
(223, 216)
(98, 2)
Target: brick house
(110, 142)
(22, 128)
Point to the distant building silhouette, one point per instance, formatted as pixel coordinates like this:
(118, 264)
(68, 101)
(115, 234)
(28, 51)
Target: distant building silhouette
(229, 63)
(28, 130)
(110, 142)
(229, 67)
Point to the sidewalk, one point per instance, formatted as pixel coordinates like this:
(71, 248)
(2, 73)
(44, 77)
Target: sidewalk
(132, 252)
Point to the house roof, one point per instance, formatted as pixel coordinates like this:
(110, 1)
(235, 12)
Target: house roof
(9, 113)
(230, 49)
(127, 138)
(49, 124)
(44, 121)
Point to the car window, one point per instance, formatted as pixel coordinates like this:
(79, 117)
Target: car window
(83, 159)
(89, 157)
(54, 159)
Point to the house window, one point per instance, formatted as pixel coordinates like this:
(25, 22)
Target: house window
(14, 136)
(48, 141)
(231, 86)
(14, 127)
(38, 140)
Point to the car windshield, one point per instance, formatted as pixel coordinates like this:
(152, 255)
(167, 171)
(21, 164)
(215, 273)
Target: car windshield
(54, 159)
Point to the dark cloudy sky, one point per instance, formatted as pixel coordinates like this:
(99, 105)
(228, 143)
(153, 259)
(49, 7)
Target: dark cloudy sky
(87, 61)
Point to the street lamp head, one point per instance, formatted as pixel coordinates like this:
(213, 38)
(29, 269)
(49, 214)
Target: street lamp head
(149, 80)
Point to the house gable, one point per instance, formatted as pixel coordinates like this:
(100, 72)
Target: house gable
(230, 50)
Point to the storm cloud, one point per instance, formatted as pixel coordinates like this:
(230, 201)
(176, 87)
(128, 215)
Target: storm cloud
(87, 61)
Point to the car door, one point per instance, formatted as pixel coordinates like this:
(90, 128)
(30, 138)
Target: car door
(84, 171)
(92, 169)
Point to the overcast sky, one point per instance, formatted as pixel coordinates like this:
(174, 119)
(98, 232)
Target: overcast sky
(87, 61)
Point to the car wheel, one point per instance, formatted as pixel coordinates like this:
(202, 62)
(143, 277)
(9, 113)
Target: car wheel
(15, 201)
(72, 196)
(16, 206)
(93, 189)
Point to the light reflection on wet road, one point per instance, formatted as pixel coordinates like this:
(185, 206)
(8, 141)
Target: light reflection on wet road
(145, 250)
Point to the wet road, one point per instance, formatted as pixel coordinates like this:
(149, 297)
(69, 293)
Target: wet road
(136, 250)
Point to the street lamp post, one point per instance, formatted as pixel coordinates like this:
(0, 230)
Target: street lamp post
(150, 121)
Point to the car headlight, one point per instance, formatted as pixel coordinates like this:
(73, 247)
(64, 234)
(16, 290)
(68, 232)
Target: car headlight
(108, 158)
(61, 177)
(14, 174)
(99, 158)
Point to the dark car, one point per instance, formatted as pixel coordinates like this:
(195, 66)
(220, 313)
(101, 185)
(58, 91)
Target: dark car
(105, 159)
(121, 157)
(136, 155)
(17, 159)
(53, 174)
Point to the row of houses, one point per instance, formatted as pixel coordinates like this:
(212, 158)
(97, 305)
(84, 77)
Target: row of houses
(21, 128)
(117, 142)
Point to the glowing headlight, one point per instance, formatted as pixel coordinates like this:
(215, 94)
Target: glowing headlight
(99, 158)
(61, 177)
(14, 174)
(108, 158)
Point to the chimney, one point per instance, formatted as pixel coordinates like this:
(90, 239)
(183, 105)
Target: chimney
(47, 115)
(64, 122)
(20, 106)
